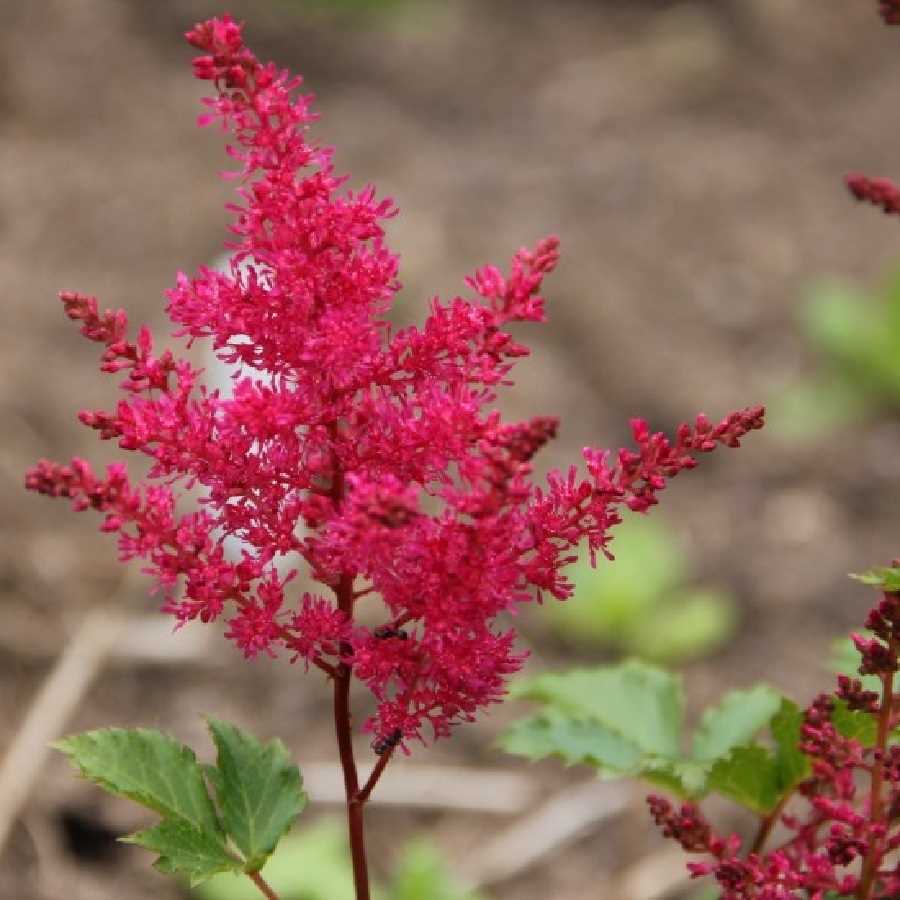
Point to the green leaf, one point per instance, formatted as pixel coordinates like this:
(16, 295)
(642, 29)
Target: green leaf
(791, 763)
(575, 741)
(884, 578)
(587, 742)
(258, 789)
(737, 719)
(148, 767)
(626, 720)
(623, 720)
(749, 776)
(639, 702)
(853, 723)
(195, 852)
(685, 777)
(421, 874)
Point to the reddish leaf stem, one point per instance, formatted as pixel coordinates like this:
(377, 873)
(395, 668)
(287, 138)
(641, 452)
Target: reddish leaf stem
(767, 823)
(260, 882)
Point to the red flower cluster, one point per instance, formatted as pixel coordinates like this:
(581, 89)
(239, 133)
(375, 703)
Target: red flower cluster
(372, 456)
(877, 191)
(890, 11)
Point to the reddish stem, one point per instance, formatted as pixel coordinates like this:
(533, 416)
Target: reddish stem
(876, 804)
(327, 668)
(355, 823)
(767, 823)
(344, 731)
(380, 766)
(341, 675)
(260, 882)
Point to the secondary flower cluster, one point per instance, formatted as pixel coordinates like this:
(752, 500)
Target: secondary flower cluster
(846, 836)
(890, 11)
(882, 192)
(372, 456)
(877, 191)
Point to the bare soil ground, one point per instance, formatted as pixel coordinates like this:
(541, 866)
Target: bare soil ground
(690, 157)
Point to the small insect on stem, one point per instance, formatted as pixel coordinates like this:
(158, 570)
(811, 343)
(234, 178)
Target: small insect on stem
(386, 632)
(387, 742)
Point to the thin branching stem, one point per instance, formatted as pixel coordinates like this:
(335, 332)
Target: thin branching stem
(876, 801)
(260, 882)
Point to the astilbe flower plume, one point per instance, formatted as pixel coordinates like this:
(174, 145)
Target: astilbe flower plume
(371, 455)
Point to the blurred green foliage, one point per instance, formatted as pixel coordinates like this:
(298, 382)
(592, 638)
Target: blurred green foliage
(860, 334)
(857, 335)
(641, 604)
(314, 864)
(421, 874)
(707, 893)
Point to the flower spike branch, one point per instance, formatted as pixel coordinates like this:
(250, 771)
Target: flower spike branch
(338, 432)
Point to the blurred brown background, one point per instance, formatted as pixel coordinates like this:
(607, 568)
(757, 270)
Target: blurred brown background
(688, 154)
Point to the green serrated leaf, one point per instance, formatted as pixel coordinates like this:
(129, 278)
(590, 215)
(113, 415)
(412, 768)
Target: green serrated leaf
(749, 776)
(575, 741)
(737, 719)
(641, 703)
(791, 763)
(685, 777)
(183, 848)
(856, 724)
(258, 788)
(148, 767)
